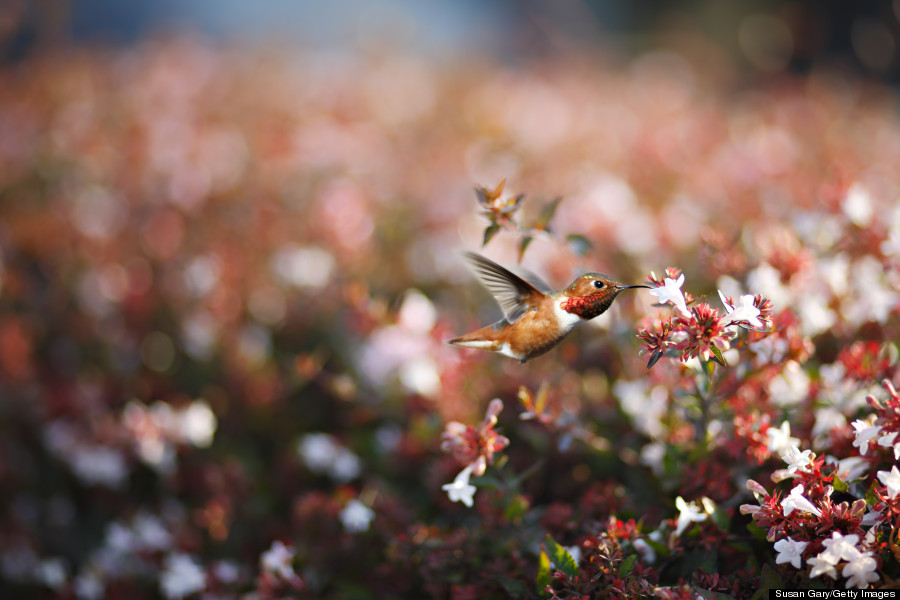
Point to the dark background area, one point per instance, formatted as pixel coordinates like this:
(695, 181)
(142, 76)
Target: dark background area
(792, 36)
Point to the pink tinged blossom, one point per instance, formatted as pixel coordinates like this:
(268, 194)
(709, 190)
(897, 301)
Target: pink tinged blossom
(891, 479)
(356, 516)
(475, 446)
(747, 313)
(689, 512)
(865, 432)
(860, 571)
(796, 460)
(181, 576)
(670, 291)
(460, 490)
(796, 501)
(758, 490)
(790, 551)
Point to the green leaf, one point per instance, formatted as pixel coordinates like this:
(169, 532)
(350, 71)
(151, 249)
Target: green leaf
(515, 588)
(489, 232)
(486, 196)
(660, 548)
(523, 245)
(547, 214)
(691, 562)
(561, 558)
(543, 575)
(517, 508)
(580, 244)
(627, 565)
(769, 579)
(871, 498)
(718, 354)
(757, 532)
(838, 483)
(721, 519)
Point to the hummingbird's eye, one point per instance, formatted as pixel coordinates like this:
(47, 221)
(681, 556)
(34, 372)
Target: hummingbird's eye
(599, 284)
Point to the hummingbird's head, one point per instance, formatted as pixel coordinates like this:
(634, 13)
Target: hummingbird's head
(592, 294)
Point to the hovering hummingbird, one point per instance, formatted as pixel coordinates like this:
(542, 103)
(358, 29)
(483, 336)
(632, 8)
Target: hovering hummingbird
(536, 318)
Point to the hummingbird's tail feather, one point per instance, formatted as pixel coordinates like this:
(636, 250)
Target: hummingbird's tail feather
(489, 338)
(482, 339)
(492, 345)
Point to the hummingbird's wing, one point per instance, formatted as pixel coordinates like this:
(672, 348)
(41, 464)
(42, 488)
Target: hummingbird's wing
(513, 294)
(536, 281)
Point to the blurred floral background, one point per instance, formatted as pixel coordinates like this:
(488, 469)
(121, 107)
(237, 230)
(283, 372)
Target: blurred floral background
(231, 242)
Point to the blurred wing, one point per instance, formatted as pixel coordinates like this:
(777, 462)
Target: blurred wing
(513, 294)
(536, 281)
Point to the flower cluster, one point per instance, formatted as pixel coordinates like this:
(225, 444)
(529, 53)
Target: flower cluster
(473, 447)
(699, 331)
(820, 526)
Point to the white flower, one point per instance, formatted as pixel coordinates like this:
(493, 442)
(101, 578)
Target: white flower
(323, 454)
(181, 576)
(823, 564)
(796, 501)
(688, 512)
(648, 554)
(796, 460)
(197, 424)
(842, 546)
(461, 490)
(671, 292)
(887, 441)
(865, 432)
(851, 468)
(790, 551)
(278, 560)
(780, 440)
(88, 586)
(892, 480)
(52, 573)
(857, 205)
(150, 533)
(356, 516)
(101, 465)
(873, 517)
(791, 386)
(860, 571)
(747, 313)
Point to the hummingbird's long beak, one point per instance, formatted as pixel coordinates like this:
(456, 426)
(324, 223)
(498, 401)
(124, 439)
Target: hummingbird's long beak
(631, 287)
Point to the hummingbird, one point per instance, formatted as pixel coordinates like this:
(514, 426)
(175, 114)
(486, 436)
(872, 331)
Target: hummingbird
(536, 318)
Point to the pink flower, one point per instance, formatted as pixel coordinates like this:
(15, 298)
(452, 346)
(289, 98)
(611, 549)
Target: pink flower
(475, 446)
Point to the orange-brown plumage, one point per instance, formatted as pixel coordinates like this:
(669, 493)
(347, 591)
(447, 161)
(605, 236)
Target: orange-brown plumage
(536, 320)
